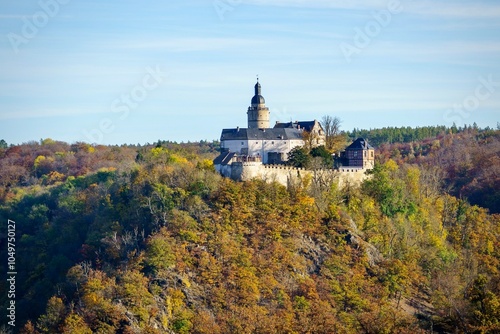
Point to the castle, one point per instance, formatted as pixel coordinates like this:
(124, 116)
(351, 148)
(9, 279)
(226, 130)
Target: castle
(259, 151)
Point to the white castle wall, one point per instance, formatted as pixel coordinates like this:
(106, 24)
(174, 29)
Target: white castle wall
(245, 171)
(261, 148)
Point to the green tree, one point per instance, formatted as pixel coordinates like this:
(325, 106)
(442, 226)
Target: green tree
(387, 189)
(74, 324)
(485, 306)
(322, 152)
(50, 321)
(159, 253)
(298, 157)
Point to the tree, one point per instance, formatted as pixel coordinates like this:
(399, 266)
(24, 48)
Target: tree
(298, 157)
(331, 125)
(309, 140)
(3, 144)
(75, 324)
(485, 306)
(322, 152)
(50, 321)
(160, 255)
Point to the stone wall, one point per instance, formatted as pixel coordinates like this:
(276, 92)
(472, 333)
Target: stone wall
(244, 171)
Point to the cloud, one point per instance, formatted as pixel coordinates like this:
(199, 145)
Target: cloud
(22, 113)
(11, 16)
(436, 51)
(353, 4)
(425, 8)
(183, 44)
(455, 10)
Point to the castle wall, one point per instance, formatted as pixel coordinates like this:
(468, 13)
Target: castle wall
(245, 171)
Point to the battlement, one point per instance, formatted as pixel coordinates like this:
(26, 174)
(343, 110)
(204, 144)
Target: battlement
(247, 169)
(282, 167)
(351, 170)
(249, 163)
(245, 158)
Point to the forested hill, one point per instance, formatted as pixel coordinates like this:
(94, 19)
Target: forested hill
(151, 240)
(392, 135)
(466, 163)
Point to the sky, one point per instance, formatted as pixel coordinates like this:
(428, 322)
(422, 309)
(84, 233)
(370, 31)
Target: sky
(129, 72)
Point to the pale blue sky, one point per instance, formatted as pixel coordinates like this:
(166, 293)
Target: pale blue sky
(76, 63)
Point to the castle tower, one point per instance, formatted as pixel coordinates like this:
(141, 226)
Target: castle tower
(258, 113)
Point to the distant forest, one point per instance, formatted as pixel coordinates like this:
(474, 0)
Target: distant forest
(467, 159)
(150, 239)
(393, 135)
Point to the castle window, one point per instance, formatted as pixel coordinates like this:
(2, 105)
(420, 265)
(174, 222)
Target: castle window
(242, 143)
(372, 154)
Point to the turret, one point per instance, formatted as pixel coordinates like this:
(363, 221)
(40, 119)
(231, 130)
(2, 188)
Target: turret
(258, 113)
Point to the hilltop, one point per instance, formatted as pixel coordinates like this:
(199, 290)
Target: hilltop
(150, 239)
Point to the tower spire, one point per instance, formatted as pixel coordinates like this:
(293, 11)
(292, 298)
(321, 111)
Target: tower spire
(258, 89)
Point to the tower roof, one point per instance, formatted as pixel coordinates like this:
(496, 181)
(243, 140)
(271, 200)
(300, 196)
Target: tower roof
(360, 144)
(258, 98)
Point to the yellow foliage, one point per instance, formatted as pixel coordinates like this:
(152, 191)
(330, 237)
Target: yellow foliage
(391, 165)
(48, 141)
(206, 164)
(176, 300)
(490, 247)
(177, 159)
(156, 152)
(54, 177)
(306, 200)
(413, 181)
(38, 160)
(74, 324)
(106, 169)
(436, 240)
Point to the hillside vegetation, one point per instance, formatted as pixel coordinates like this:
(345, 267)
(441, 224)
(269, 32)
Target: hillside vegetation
(151, 240)
(466, 161)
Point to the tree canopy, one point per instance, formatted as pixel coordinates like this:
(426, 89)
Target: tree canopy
(150, 239)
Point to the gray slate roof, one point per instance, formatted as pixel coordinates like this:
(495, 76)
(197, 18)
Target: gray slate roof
(224, 158)
(261, 134)
(360, 144)
(306, 125)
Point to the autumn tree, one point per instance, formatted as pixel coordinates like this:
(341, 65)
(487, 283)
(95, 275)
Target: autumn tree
(334, 139)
